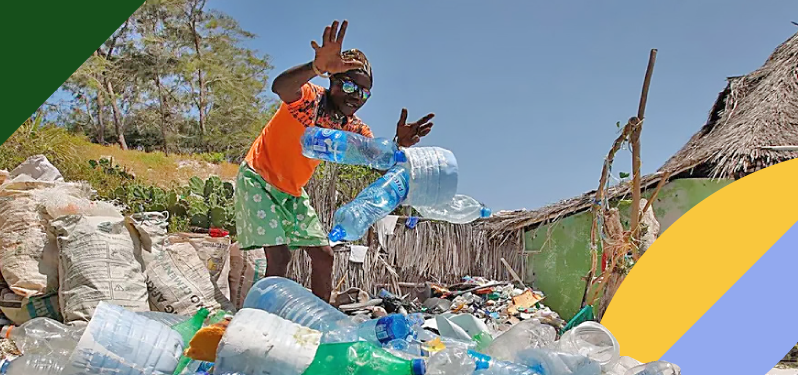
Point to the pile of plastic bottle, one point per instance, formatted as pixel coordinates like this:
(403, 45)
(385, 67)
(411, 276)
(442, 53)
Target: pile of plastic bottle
(285, 329)
(422, 177)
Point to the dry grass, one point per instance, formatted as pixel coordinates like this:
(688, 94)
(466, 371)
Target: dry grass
(71, 155)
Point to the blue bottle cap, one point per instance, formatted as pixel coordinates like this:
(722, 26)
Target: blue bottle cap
(4, 363)
(419, 367)
(337, 234)
(411, 222)
(482, 360)
(400, 156)
(485, 212)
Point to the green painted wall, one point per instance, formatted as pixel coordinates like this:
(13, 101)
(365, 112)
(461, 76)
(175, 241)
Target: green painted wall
(559, 253)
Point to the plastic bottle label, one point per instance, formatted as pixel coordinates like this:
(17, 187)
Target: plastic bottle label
(326, 143)
(382, 331)
(397, 184)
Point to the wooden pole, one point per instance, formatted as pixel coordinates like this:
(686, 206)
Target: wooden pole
(635, 142)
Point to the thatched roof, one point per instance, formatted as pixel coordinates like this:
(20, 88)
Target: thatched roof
(759, 109)
(756, 110)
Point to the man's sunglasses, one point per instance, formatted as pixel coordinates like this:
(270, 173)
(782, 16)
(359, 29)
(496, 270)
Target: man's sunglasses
(350, 87)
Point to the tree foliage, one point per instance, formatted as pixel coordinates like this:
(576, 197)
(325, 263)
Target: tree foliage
(176, 76)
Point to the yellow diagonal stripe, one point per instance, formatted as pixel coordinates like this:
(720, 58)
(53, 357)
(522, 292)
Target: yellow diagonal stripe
(699, 258)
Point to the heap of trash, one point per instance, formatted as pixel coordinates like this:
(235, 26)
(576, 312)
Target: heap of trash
(87, 290)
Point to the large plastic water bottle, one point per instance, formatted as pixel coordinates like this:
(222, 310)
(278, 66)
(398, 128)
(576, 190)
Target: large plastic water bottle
(45, 337)
(489, 366)
(378, 200)
(361, 358)
(257, 342)
(119, 341)
(33, 365)
(289, 300)
(461, 209)
(344, 147)
(433, 175)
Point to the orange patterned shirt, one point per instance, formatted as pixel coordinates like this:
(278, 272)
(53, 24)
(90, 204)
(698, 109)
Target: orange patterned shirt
(277, 153)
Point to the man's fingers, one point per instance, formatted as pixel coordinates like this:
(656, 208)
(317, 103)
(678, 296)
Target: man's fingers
(403, 117)
(416, 139)
(425, 119)
(326, 37)
(333, 32)
(342, 32)
(353, 64)
(423, 130)
(314, 44)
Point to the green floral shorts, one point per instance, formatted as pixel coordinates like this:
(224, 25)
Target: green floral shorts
(266, 216)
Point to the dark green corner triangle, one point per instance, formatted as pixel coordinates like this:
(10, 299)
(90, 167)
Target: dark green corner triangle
(44, 42)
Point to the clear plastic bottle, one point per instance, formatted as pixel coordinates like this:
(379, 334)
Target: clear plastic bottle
(529, 333)
(462, 209)
(361, 358)
(378, 200)
(33, 365)
(433, 175)
(290, 300)
(454, 361)
(592, 340)
(45, 336)
(549, 362)
(655, 368)
(344, 147)
(490, 366)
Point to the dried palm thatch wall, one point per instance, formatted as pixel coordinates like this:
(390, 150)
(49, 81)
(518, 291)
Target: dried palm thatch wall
(758, 109)
(432, 251)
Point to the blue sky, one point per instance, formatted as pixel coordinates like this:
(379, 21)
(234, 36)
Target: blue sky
(527, 93)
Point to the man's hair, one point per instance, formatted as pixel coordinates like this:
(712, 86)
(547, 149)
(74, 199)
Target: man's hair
(358, 55)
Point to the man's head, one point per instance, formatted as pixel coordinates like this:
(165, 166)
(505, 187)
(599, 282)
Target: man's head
(350, 90)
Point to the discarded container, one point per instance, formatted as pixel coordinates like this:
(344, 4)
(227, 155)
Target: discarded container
(344, 147)
(44, 336)
(475, 328)
(289, 300)
(187, 330)
(361, 358)
(451, 362)
(655, 368)
(592, 340)
(352, 220)
(383, 330)
(433, 176)
(120, 341)
(259, 343)
(33, 365)
(620, 366)
(461, 209)
(526, 334)
(490, 366)
(545, 361)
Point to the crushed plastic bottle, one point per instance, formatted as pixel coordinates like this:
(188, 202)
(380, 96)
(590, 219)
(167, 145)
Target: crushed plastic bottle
(45, 336)
(655, 368)
(461, 209)
(529, 333)
(490, 366)
(187, 330)
(451, 362)
(592, 340)
(289, 300)
(344, 147)
(361, 358)
(620, 366)
(33, 365)
(549, 362)
(378, 200)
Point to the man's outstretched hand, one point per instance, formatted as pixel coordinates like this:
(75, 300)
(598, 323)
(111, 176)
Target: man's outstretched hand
(328, 55)
(409, 134)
